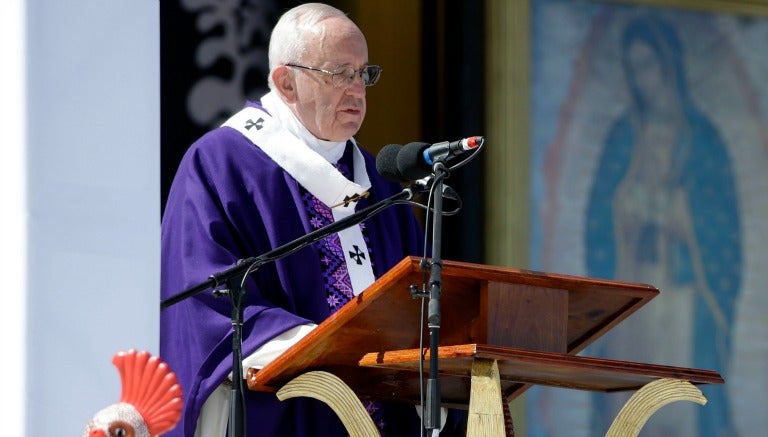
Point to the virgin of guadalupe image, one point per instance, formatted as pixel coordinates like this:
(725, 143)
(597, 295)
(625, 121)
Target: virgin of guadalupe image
(663, 210)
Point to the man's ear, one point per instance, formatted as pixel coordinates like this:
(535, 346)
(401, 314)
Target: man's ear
(285, 83)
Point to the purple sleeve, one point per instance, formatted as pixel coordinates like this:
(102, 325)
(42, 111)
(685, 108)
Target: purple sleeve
(213, 218)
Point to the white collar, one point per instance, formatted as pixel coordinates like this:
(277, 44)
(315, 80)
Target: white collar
(330, 150)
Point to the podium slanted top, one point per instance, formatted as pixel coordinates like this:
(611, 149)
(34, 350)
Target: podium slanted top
(493, 307)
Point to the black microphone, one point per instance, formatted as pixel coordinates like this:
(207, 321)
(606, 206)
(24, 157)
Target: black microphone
(386, 162)
(415, 160)
(410, 162)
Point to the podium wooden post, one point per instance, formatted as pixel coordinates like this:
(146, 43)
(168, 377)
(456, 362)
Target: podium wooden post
(530, 324)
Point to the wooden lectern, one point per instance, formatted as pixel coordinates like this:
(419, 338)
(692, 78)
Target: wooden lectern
(529, 324)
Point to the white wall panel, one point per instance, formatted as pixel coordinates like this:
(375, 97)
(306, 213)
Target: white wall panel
(94, 214)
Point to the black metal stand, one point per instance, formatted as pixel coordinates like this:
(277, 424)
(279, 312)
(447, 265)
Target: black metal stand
(432, 419)
(236, 292)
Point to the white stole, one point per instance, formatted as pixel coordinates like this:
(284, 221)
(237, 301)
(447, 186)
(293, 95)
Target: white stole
(319, 177)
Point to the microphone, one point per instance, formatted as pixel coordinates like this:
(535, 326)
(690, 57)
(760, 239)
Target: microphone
(386, 163)
(443, 150)
(415, 160)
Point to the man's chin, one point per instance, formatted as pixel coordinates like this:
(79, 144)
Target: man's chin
(346, 131)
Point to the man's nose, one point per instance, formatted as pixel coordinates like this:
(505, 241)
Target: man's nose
(357, 87)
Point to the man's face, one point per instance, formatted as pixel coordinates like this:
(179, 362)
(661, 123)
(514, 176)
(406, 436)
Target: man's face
(332, 113)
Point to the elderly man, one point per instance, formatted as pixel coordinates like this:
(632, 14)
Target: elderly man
(274, 172)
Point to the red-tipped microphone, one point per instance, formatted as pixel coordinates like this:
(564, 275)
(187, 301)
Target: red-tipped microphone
(440, 151)
(415, 160)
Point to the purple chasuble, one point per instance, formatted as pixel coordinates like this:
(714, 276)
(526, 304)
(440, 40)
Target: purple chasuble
(230, 201)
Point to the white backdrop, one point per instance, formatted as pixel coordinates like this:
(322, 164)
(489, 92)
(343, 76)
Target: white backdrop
(93, 213)
(12, 214)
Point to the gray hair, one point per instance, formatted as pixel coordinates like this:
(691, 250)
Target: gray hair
(292, 32)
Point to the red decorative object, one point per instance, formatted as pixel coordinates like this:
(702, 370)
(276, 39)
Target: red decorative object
(150, 403)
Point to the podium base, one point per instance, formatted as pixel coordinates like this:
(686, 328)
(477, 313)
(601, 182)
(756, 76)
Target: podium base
(486, 412)
(328, 388)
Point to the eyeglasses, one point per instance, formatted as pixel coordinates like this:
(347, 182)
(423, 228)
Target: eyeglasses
(346, 76)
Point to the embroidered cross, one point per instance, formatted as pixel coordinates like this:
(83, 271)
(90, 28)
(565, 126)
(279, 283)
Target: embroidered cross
(357, 255)
(258, 124)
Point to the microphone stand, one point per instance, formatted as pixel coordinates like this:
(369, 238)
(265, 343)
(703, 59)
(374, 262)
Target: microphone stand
(236, 292)
(234, 278)
(433, 416)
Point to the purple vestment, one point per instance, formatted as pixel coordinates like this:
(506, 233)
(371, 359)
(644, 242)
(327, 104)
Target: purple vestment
(230, 201)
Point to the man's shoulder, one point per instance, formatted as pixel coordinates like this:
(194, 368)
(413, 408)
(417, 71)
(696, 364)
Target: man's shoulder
(220, 141)
(224, 132)
(226, 146)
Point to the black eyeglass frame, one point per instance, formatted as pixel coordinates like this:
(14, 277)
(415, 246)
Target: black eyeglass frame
(373, 71)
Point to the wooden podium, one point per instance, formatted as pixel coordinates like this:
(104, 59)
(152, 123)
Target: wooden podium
(529, 324)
